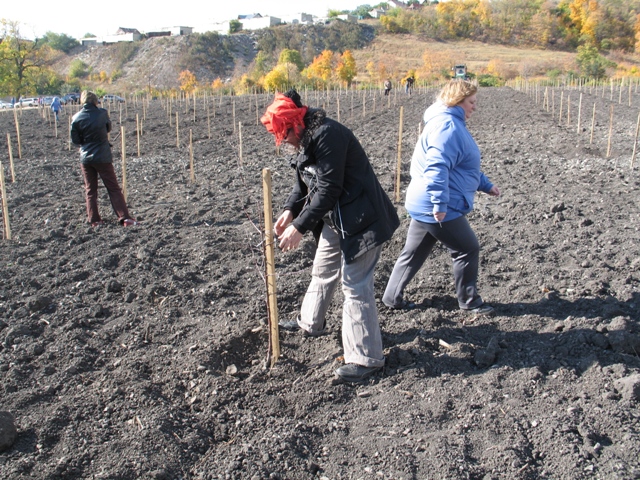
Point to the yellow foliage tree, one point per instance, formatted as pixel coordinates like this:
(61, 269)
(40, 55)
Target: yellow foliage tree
(188, 81)
(346, 69)
(282, 77)
(321, 69)
(217, 84)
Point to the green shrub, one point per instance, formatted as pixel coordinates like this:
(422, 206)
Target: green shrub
(78, 69)
(487, 80)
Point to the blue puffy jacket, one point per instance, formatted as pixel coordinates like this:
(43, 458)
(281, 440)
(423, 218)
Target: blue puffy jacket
(445, 167)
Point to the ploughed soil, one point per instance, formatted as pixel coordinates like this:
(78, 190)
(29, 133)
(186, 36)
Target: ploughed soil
(142, 352)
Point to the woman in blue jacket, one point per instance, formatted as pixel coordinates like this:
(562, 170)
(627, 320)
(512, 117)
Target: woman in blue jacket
(445, 174)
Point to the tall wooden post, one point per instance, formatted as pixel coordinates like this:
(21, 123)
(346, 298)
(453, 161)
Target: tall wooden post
(269, 240)
(5, 205)
(399, 164)
(124, 163)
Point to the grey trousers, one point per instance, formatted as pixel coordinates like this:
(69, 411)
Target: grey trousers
(461, 242)
(361, 337)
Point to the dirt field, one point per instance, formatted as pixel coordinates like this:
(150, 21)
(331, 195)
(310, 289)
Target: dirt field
(140, 352)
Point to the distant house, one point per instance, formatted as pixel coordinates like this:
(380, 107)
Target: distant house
(396, 4)
(257, 21)
(299, 18)
(178, 31)
(377, 12)
(122, 35)
(348, 18)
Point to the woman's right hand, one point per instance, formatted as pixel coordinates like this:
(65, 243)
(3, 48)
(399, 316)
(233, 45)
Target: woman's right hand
(283, 222)
(439, 216)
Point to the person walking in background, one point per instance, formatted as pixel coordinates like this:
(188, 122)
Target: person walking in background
(56, 106)
(337, 196)
(409, 84)
(387, 87)
(445, 174)
(89, 129)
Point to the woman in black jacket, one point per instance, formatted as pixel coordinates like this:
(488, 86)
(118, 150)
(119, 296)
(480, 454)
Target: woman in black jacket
(90, 129)
(337, 196)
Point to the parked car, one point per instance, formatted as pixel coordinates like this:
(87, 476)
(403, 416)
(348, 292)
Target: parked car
(4, 105)
(70, 98)
(46, 101)
(29, 102)
(112, 99)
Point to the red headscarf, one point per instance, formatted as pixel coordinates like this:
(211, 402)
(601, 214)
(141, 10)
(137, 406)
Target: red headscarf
(282, 115)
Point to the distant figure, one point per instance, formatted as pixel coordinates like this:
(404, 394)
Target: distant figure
(387, 87)
(89, 129)
(56, 106)
(409, 84)
(13, 102)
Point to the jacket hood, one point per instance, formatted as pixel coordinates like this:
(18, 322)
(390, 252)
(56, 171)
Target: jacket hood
(439, 108)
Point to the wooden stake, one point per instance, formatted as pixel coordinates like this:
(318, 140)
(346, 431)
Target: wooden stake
(593, 123)
(579, 112)
(240, 142)
(234, 116)
(13, 173)
(560, 110)
(635, 141)
(69, 147)
(610, 128)
(138, 132)
(177, 131)
(5, 206)
(269, 240)
(124, 163)
(15, 117)
(399, 165)
(191, 165)
(209, 121)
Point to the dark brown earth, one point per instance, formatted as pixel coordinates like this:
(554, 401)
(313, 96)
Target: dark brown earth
(140, 352)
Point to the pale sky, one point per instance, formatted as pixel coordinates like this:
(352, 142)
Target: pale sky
(76, 18)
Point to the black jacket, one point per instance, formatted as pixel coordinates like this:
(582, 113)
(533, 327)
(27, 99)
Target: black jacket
(89, 129)
(336, 183)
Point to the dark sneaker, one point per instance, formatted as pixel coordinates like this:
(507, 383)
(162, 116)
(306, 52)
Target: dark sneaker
(352, 372)
(129, 222)
(292, 326)
(289, 325)
(405, 305)
(483, 309)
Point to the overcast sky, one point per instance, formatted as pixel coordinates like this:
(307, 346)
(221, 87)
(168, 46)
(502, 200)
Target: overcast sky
(76, 18)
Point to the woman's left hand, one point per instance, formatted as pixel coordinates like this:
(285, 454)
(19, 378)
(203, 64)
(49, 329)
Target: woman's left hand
(290, 238)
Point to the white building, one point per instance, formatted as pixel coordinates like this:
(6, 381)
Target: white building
(256, 22)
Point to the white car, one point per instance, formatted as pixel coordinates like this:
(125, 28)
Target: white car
(4, 105)
(112, 98)
(29, 102)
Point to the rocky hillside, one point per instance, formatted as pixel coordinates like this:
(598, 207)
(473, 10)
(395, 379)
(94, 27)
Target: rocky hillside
(158, 61)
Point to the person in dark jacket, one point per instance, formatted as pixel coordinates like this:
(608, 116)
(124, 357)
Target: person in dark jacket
(90, 129)
(337, 196)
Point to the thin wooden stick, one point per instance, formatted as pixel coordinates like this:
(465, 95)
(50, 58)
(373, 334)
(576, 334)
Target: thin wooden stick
(177, 131)
(13, 173)
(240, 142)
(579, 112)
(15, 117)
(270, 264)
(593, 123)
(610, 128)
(5, 206)
(399, 163)
(138, 132)
(191, 165)
(124, 163)
(635, 141)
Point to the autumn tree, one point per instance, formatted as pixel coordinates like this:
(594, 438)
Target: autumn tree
(20, 60)
(188, 81)
(321, 69)
(346, 69)
(291, 56)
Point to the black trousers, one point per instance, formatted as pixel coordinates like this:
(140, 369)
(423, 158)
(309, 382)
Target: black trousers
(457, 236)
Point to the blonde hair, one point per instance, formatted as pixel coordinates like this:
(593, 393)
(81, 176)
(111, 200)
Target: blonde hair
(454, 92)
(88, 97)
